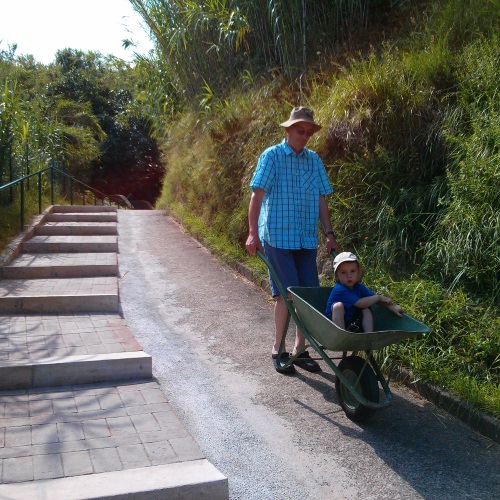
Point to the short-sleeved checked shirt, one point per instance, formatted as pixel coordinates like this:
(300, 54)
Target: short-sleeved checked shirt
(293, 184)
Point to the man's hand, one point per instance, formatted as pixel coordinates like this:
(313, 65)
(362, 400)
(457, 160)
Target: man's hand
(331, 244)
(253, 244)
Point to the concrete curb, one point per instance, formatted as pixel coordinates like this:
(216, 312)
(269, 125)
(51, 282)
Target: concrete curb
(485, 424)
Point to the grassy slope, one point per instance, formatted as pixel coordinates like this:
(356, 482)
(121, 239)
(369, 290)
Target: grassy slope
(405, 128)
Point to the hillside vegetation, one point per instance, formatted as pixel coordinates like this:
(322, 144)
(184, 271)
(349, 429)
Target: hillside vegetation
(407, 93)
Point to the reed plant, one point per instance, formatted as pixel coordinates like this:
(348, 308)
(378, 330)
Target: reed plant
(212, 42)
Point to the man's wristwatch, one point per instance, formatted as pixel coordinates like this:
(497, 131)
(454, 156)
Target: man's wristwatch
(330, 232)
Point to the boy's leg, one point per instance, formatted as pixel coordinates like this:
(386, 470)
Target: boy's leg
(367, 321)
(338, 314)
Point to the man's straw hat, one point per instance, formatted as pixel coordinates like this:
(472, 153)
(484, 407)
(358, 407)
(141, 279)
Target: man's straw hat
(301, 114)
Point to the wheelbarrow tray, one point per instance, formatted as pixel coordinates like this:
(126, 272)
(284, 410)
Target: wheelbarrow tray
(310, 304)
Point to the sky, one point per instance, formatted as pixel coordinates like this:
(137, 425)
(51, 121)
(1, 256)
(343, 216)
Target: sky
(42, 27)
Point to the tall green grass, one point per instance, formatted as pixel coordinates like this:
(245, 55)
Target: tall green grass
(465, 247)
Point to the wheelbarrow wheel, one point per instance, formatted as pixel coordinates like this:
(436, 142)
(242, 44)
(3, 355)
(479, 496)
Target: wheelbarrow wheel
(367, 385)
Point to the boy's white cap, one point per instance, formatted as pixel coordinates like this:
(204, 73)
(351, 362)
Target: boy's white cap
(343, 257)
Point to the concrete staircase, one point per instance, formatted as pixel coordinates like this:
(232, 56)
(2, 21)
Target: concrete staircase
(80, 415)
(59, 302)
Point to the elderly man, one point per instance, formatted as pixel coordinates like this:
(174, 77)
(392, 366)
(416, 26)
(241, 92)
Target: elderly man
(289, 188)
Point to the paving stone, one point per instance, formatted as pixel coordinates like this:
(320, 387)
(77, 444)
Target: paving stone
(71, 431)
(96, 428)
(145, 422)
(17, 470)
(44, 433)
(160, 452)
(18, 436)
(110, 401)
(132, 398)
(163, 434)
(77, 463)
(16, 409)
(186, 448)
(47, 466)
(121, 426)
(65, 405)
(105, 460)
(87, 403)
(133, 456)
(153, 396)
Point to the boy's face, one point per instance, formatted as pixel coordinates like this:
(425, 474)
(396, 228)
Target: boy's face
(348, 273)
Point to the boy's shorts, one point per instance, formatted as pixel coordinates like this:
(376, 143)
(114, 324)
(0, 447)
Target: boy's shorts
(293, 267)
(356, 324)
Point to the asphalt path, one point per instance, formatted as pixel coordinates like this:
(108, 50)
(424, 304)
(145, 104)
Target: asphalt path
(210, 332)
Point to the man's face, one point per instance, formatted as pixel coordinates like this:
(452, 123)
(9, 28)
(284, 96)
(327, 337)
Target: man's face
(298, 135)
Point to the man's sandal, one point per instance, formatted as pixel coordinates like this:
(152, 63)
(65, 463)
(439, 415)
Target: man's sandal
(305, 362)
(278, 364)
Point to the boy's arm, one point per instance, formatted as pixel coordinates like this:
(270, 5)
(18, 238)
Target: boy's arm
(379, 299)
(368, 301)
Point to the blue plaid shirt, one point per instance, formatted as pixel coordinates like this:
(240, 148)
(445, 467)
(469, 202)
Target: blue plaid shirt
(293, 184)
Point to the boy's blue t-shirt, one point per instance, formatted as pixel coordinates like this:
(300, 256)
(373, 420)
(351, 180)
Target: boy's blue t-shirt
(348, 297)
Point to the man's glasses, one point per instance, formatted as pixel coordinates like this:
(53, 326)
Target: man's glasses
(302, 131)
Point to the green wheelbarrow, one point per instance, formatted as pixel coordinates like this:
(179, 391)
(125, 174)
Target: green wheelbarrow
(357, 377)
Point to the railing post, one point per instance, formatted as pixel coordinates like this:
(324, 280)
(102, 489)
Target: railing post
(22, 205)
(11, 177)
(40, 192)
(52, 181)
(26, 153)
(71, 190)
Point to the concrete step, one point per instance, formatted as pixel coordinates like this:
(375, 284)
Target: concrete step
(61, 265)
(59, 295)
(83, 208)
(181, 480)
(75, 370)
(64, 244)
(82, 217)
(76, 228)
(50, 350)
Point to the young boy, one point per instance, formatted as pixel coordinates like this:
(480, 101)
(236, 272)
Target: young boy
(349, 302)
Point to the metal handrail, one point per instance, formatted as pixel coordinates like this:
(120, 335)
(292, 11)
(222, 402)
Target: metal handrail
(39, 173)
